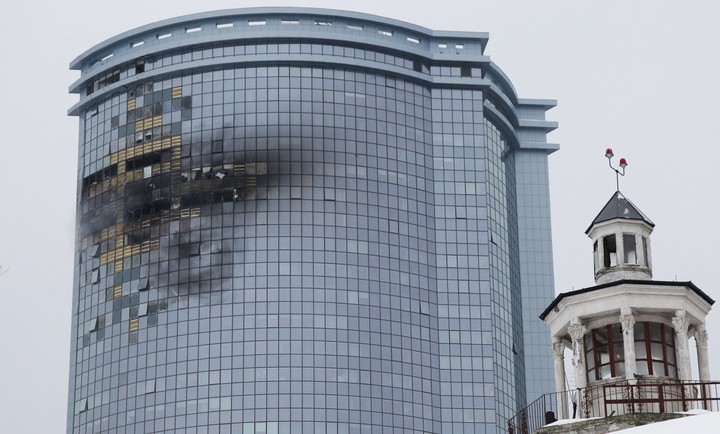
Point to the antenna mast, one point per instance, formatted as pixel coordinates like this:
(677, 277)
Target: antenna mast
(623, 164)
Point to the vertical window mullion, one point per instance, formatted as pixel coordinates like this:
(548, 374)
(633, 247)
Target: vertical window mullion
(648, 349)
(611, 349)
(664, 349)
(596, 356)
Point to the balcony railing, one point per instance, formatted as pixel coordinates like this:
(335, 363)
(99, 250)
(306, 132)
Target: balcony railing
(644, 395)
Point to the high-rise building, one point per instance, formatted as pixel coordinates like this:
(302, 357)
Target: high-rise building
(303, 220)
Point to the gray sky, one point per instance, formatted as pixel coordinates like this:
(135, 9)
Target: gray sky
(640, 77)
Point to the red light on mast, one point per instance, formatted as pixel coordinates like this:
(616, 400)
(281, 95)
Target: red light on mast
(609, 153)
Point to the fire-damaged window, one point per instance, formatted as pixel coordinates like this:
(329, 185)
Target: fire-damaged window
(105, 80)
(190, 249)
(99, 176)
(148, 159)
(137, 236)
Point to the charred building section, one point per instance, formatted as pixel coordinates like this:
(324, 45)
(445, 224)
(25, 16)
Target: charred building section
(298, 220)
(128, 205)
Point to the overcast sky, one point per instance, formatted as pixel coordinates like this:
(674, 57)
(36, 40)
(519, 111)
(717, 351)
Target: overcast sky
(640, 77)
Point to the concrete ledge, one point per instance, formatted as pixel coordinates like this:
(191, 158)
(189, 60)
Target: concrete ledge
(608, 424)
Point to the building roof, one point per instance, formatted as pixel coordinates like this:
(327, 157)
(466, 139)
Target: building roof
(619, 207)
(688, 285)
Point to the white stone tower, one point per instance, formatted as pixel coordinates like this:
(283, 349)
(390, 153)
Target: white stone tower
(628, 326)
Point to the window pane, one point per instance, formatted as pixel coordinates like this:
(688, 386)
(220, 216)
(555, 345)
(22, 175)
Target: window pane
(669, 335)
(654, 332)
(601, 336)
(642, 367)
(618, 352)
(658, 368)
(639, 331)
(620, 369)
(603, 354)
(605, 372)
(670, 355)
(630, 251)
(640, 350)
(656, 350)
(591, 376)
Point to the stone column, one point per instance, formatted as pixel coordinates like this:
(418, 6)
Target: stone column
(577, 334)
(681, 324)
(701, 342)
(627, 320)
(558, 349)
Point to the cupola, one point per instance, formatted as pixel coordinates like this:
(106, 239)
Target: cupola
(621, 242)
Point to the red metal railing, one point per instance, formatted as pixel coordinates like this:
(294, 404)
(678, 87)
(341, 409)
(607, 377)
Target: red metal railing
(661, 397)
(645, 395)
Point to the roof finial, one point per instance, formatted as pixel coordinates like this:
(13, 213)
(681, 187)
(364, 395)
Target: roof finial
(623, 164)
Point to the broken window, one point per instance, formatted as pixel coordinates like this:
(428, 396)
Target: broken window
(609, 251)
(105, 80)
(100, 176)
(93, 325)
(138, 236)
(82, 406)
(148, 159)
(329, 194)
(95, 276)
(94, 251)
(629, 249)
(190, 249)
(465, 71)
(143, 284)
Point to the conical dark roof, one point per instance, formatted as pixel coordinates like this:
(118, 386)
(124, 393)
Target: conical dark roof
(619, 207)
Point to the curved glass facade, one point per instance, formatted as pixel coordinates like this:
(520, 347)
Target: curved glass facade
(303, 221)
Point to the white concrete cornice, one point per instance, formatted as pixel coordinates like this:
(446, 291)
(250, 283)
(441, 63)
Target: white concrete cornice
(645, 299)
(616, 226)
